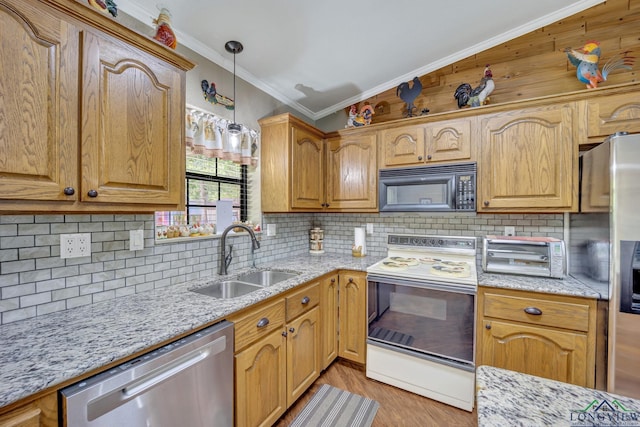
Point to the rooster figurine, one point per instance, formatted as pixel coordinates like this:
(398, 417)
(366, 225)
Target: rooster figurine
(586, 60)
(475, 97)
(212, 95)
(409, 94)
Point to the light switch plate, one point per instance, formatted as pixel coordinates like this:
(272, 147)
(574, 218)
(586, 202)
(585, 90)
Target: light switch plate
(136, 240)
(271, 229)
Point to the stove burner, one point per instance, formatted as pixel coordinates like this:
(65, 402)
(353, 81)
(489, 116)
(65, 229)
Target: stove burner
(402, 260)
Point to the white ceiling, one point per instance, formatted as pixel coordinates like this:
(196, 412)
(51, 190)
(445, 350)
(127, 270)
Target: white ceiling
(321, 56)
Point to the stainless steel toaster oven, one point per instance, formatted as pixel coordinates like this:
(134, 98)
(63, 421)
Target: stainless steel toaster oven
(530, 256)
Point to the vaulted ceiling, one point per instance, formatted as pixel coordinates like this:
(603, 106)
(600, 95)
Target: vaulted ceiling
(320, 56)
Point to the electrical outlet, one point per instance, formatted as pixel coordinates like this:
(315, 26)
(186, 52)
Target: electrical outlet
(509, 230)
(75, 245)
(271, 229)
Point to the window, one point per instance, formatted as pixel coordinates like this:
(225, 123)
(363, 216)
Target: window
(207, 181)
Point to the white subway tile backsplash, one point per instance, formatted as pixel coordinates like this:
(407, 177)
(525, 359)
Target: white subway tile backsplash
(34, 280)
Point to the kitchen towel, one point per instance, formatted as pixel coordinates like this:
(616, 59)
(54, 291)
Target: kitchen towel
(360, 239)
(332, 407)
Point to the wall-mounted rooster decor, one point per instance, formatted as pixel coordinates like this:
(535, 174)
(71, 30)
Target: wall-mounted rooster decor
(212, 95)
(586, 61)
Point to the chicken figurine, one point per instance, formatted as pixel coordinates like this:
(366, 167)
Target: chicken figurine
(586, 61)
(212, 95)
(409, 94)
(465, 95)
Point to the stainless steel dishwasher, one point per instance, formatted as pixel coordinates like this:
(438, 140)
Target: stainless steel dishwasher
(186, 383)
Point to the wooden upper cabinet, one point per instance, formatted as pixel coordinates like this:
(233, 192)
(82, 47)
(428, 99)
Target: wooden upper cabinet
(449, 140)
(92, 113)
(304, 172)
(130, 149)
(529, 160)
(441, 141)
(402, 146)
(352, 173)
(307, 170)
(609, 114)
(596, 191)
(38, 103)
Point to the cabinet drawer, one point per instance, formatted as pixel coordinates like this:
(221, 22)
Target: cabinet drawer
(565, 315)
(303, 300)
(252, 327)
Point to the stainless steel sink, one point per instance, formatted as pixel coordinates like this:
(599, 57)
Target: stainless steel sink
(227, 289)
(266, 277)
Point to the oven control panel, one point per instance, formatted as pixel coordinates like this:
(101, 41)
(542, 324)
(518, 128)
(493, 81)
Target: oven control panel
(439, 242)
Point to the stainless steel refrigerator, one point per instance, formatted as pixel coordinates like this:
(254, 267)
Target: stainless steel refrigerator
(605, 240)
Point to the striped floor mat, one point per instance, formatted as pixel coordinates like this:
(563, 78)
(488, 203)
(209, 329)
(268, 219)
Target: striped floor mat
(332, 407)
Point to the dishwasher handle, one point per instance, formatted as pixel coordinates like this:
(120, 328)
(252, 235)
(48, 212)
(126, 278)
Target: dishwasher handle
(106, 403)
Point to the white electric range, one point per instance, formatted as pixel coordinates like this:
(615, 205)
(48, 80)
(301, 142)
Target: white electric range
(421, 303)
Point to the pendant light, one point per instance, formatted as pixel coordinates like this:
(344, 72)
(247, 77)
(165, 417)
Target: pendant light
(234, 47)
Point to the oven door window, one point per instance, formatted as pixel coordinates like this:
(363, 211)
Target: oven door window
(432, 194)
(435, 322)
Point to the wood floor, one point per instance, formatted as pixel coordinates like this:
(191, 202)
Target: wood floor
(397, 407)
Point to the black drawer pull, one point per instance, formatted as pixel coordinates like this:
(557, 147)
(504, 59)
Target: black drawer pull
(69, 191)
(92, 193)
(305, 300)
(262, 322)
(533, 310)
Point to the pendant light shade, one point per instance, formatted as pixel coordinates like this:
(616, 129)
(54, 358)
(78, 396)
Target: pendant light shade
(234, 47)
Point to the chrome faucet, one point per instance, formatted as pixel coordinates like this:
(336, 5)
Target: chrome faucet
(225, 259)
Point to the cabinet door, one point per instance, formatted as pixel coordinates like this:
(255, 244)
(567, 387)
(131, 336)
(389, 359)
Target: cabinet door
(547, 353)
(596, 182)
(529, 160)
(307, 170)
(449, 140)
(402, 146)
(261, 395)
(43, 412)
(303, 354)
(132, 131)
(352, 173)
(38, 103)
(353, 317)
(329, 320)
(614, 113)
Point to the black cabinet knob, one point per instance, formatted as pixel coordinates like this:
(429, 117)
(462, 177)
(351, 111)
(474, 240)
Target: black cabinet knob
(486, 203)
(535, 311)
(69, 191)
(487, 326)
(92, 193)
(305, 300)
(429, 157)
(292, 330)
(419, 157)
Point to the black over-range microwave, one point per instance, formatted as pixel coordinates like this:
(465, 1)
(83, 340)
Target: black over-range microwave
(442, 188)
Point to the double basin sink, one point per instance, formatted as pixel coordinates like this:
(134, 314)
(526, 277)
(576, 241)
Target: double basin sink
(244, 284)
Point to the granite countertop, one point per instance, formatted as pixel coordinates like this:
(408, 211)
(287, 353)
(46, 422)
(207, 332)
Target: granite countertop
(570, 286)
(44, 351)
(507, 398)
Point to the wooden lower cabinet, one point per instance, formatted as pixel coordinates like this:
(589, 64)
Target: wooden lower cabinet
(261, 395)
(328, 320)
(303, 354)
(549, 336)
(353, 316)
(274, 369)
(43, 412)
